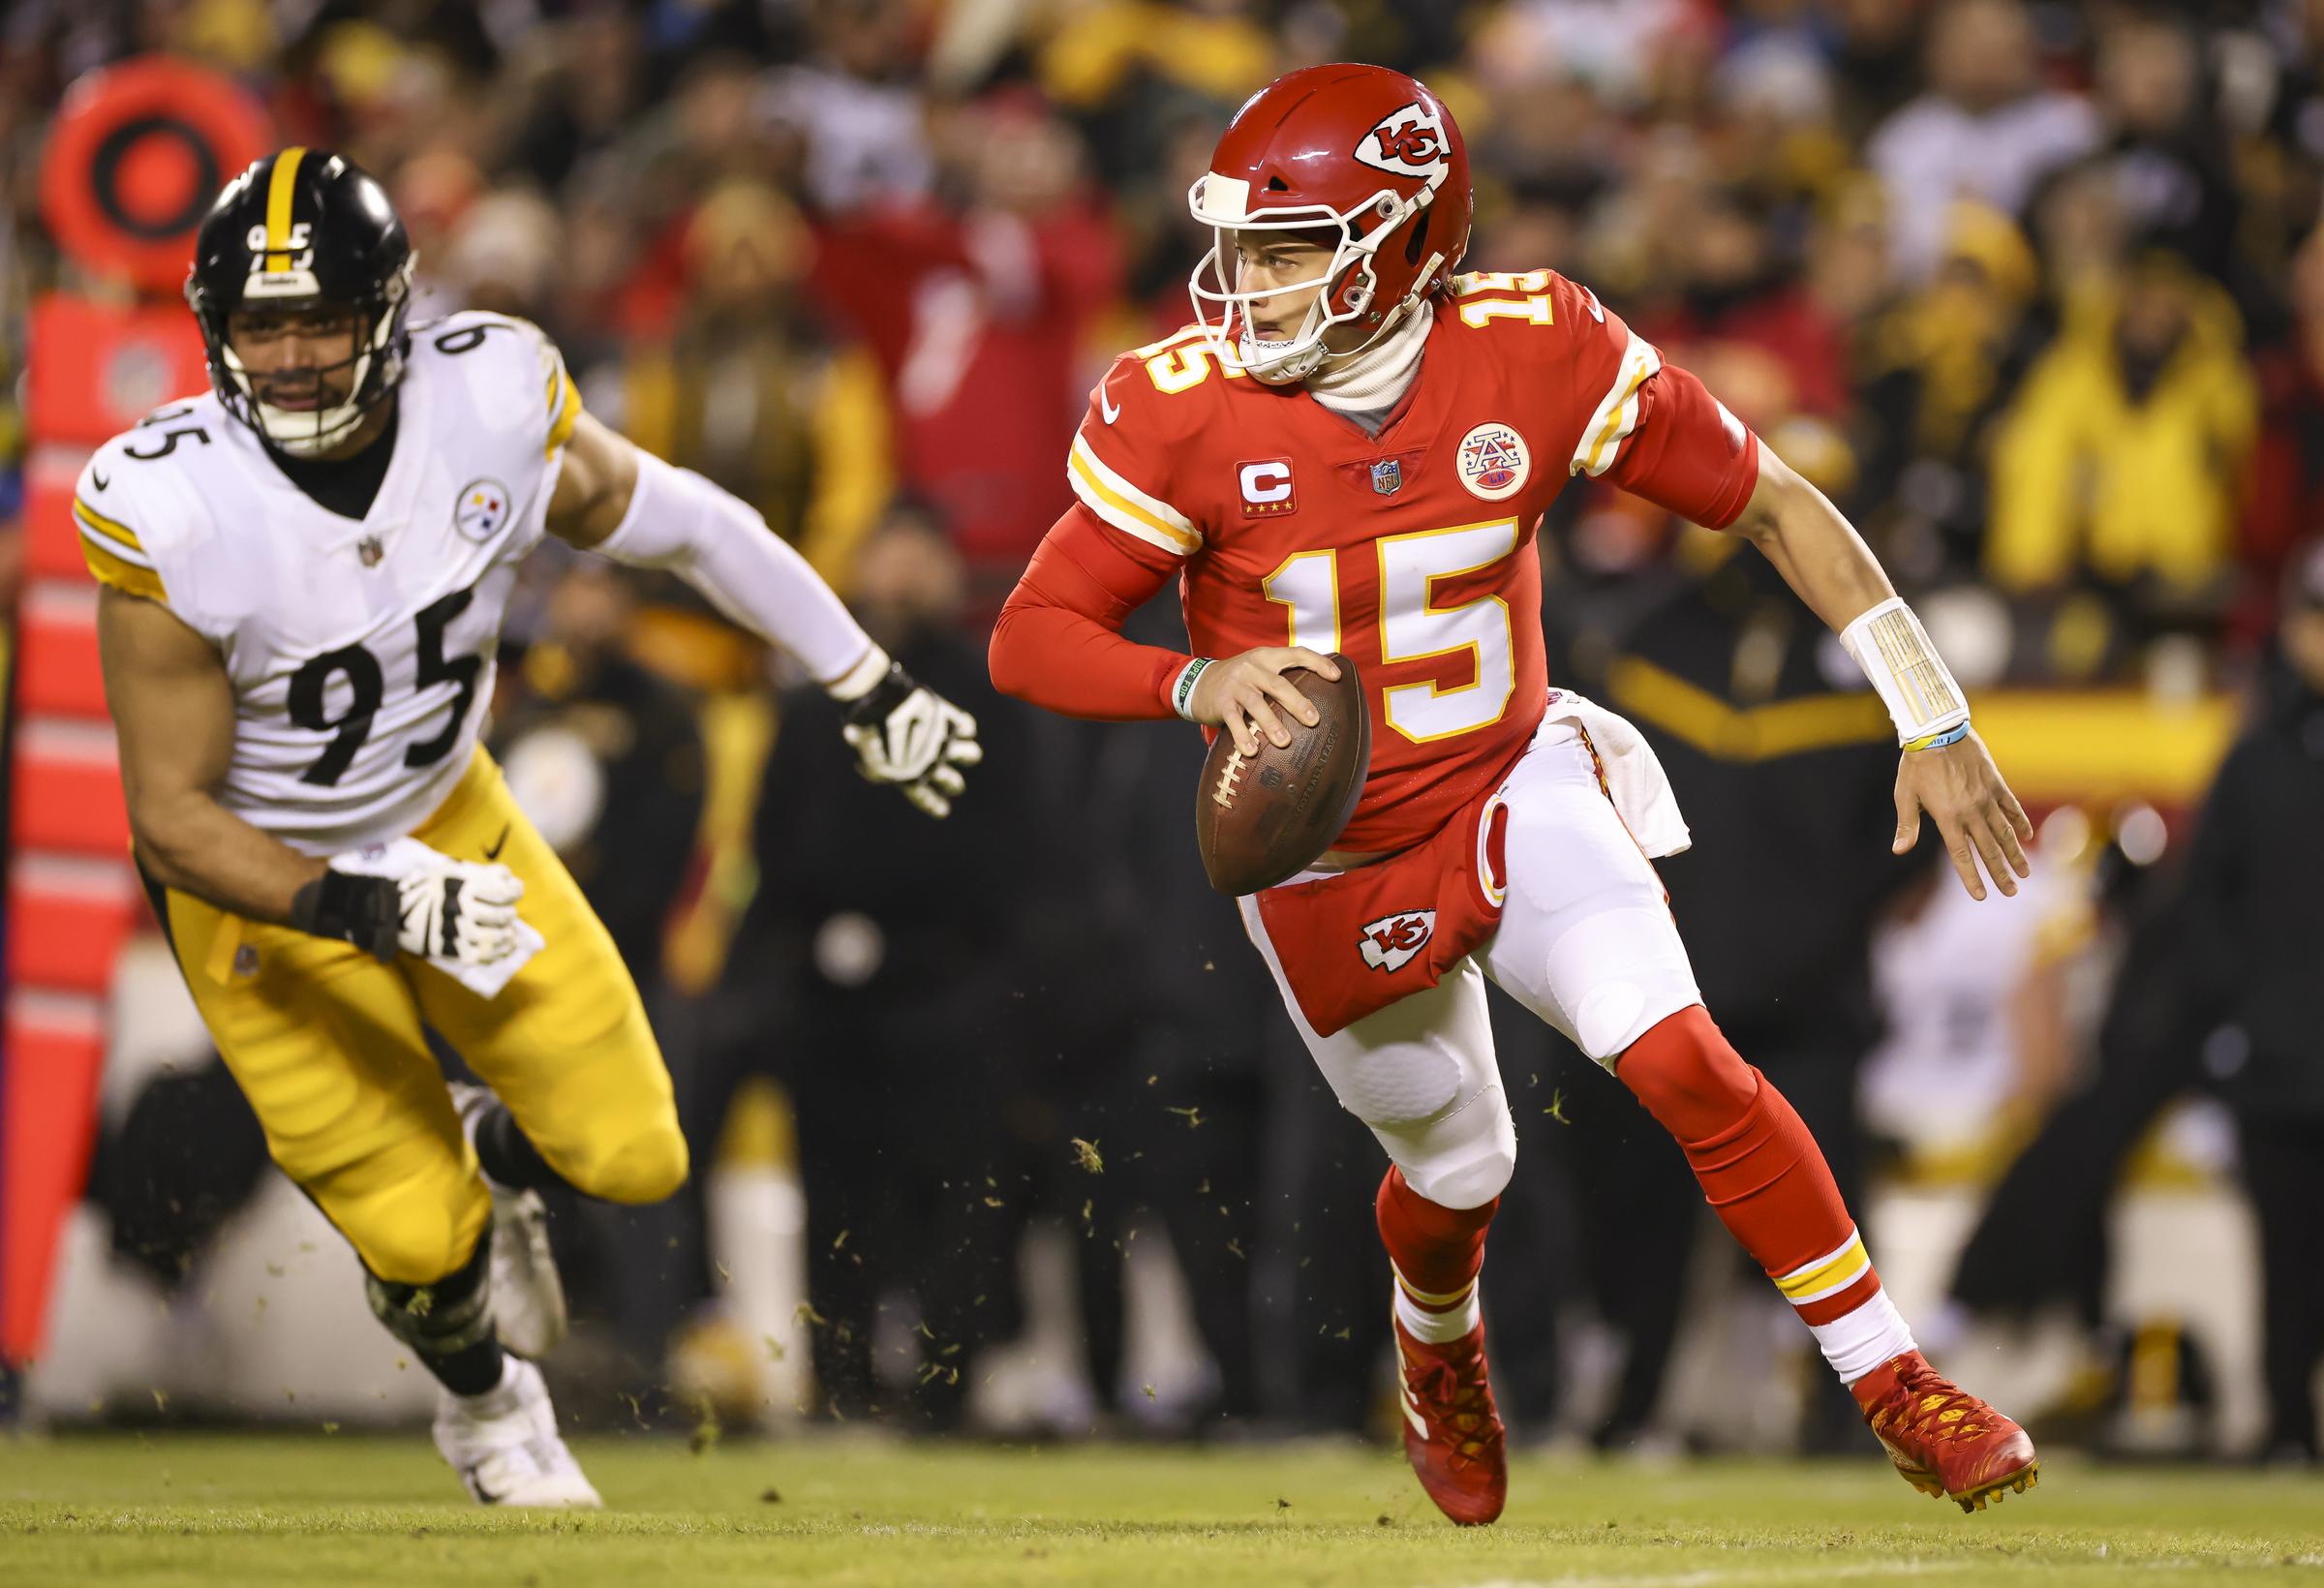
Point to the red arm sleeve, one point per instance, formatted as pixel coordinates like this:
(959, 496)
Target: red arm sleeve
(1058, 642)
(1686, 452)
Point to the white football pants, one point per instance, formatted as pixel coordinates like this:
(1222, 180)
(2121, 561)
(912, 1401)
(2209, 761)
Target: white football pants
(1586, 942)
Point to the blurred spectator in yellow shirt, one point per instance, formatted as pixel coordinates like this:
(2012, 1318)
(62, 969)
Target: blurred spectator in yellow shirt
(2121, 455)
(751, 393)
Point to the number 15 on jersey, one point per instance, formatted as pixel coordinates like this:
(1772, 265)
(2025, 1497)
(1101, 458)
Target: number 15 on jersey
(1415, 622)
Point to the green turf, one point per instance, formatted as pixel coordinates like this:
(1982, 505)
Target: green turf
(201, 1509)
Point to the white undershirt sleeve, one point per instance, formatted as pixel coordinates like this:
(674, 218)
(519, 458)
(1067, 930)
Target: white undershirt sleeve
(679, 521)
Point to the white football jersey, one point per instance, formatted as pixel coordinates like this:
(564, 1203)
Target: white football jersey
(362, 651)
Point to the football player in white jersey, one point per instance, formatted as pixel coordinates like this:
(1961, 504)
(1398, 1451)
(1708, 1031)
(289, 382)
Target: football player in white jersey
(303, 572)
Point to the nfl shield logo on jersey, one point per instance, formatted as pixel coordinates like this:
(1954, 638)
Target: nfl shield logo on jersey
(482, 508)
(1389, 943)
(1493, 462)
(1388, 476)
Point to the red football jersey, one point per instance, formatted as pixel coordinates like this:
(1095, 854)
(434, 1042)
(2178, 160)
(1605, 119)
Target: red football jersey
(1411, 552)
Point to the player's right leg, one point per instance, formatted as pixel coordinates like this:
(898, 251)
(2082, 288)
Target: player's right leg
(585, 1099)
(1421, 1074)
(579, 1095)
(1588, 942)
(527, 1294)
(326, 1045)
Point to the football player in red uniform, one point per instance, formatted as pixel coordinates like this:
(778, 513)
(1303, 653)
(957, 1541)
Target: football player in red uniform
(1350, 451)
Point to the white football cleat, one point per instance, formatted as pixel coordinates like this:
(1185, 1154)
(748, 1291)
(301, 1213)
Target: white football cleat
(527, 1298)
(505, 1446)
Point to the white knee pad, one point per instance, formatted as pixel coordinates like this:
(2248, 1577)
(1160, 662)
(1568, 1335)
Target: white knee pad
(1401, 1084)
(1462, 1160)
(1633, 973)
(1421, 1074)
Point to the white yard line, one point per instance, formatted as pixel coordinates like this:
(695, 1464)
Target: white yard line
(1724, 1577)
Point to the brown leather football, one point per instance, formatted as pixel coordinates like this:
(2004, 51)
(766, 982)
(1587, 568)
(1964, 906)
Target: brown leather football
(1261, 818)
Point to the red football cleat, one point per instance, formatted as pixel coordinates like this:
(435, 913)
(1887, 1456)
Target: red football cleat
(1451, 1434)
(1944, 1440)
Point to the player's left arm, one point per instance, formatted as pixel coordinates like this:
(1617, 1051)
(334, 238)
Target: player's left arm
(1660, 434)
(619, 500)
(1945, 769)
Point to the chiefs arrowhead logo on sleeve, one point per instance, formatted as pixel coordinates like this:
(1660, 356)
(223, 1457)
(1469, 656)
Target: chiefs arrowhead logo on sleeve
(1406, 142)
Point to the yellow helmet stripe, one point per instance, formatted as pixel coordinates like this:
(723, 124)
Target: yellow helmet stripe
(280, 185)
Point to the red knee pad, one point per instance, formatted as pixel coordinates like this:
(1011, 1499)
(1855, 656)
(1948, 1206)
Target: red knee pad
(1689, 1076)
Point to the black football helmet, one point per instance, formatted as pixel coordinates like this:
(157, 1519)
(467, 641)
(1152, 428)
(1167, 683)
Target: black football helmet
(304, 228)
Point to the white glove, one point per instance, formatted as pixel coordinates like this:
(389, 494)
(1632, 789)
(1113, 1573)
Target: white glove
(909, 735)
(458, 910)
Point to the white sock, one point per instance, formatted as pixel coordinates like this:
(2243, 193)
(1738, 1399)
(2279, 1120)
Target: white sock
(1436, 1327)
(1859, 1341)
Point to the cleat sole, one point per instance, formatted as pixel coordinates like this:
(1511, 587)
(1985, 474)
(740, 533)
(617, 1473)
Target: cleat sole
(2000, 1489)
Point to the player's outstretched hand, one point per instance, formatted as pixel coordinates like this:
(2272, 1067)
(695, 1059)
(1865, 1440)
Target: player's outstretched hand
(1962, 790)
(458, 909)
(907, 734)
(1241, 693)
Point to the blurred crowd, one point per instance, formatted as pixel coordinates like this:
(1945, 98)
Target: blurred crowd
(2035, 291)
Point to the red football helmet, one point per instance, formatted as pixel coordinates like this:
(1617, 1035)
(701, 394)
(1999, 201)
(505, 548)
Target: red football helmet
(1358, 150)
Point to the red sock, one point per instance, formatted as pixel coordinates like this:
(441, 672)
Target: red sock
(1437, 1250)
(1760, 1166)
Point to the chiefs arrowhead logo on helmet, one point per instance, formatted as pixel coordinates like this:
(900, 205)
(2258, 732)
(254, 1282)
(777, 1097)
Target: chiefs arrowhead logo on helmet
(1406, 142)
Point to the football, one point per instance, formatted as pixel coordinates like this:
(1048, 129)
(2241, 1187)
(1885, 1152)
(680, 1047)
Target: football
(1261, 818)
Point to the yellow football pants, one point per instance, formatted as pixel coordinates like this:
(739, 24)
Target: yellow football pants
(328, 1044)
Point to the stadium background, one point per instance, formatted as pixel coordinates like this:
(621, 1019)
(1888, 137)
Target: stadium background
(1003, 1130)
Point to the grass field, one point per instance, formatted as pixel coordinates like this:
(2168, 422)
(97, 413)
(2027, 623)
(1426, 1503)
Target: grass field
(203, 1509)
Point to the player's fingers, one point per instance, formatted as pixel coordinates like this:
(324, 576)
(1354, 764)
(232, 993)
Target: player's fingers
(497, 884)
(488, 914)
(1313, 660)
(2004, 833)
(1266, 722)
(928, 800)
(1908, 822)
(1965, 860)
(946, 780)
(964, 751)
(479, 942)
(2018, 819)
(1982, 834)
(1294, 702)
(1235, 718)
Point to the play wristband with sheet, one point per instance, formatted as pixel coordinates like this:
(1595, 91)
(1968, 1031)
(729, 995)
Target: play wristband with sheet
(1181, 693)
(1909, 677)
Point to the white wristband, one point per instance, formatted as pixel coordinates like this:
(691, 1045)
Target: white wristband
(1910, 678)
(1181, 691)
